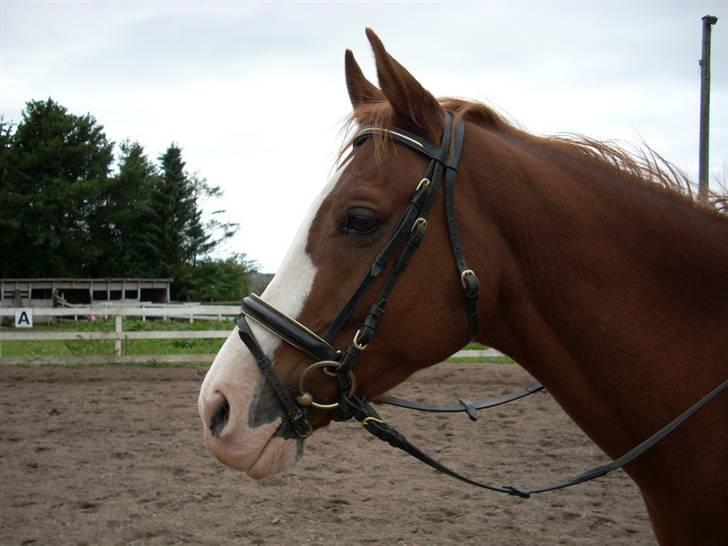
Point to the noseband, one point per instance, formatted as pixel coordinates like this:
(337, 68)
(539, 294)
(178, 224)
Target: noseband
(408, 235)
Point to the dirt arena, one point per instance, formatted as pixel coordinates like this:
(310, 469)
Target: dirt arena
(115, 456)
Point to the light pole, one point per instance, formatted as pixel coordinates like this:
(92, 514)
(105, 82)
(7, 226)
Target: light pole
(708, 22)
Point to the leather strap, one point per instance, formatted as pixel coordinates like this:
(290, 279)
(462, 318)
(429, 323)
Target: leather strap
(467, 406)
(296, 415)
(412, 212)
(468, 278)
(376, 426)
(419, 207)
(416, 142)
(445, 159)
(288, 329)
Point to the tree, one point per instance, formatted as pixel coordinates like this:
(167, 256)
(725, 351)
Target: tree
(176, 218)
(9, 222)
(216, 280)
(179, 235)
(128, 213)
(63, 214)
(57, 180)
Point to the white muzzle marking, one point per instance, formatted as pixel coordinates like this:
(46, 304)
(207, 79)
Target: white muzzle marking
(234, 377)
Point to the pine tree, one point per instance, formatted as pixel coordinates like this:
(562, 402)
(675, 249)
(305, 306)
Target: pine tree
(128, 215)
(180, 237)
(10, 223)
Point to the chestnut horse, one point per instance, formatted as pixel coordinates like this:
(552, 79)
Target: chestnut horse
(596, 274)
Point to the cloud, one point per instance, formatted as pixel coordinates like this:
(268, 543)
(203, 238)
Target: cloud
(253, 92)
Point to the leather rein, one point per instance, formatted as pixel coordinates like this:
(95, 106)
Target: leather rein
(406, 238)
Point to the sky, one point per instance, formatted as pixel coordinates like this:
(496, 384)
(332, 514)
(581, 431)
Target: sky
(254, 92)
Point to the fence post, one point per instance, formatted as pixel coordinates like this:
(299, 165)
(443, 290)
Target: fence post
(117, 338)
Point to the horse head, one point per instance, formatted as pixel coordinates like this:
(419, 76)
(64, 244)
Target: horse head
(343, 271)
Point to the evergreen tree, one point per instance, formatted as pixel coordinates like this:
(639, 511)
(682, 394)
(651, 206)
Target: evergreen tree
(63, 214)
(174, 207)
(59, 174)
(178, 232)
(9, 221)
(129, 215)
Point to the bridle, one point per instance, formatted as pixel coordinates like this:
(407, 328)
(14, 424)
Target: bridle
(406, 238)
(404, 241)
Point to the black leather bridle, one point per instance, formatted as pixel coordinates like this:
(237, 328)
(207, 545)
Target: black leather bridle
(406, 238)
(400, 247)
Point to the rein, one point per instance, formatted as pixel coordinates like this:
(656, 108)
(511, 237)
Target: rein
(442, 170)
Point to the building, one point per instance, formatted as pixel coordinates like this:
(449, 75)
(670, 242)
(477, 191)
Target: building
(54, 292)
(257, 282)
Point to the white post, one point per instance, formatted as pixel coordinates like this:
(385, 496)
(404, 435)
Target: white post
(117, 339)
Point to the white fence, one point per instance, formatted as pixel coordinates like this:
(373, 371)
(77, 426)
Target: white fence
(186, 312)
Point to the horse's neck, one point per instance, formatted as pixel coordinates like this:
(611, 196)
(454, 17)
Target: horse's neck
(610, 289)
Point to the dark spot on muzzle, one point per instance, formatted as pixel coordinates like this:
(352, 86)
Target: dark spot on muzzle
(266, 408)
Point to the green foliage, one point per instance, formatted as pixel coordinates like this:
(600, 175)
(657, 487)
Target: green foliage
(63, 212)
(128, 211)
(55, 174)
(216, 280)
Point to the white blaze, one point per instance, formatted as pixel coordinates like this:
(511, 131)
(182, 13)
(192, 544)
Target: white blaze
(235, 375)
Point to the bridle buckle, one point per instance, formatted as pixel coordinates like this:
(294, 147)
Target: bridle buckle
(423, 184)
(357, 341)
(420, 223)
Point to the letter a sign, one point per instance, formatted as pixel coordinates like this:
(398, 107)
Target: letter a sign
(24, 318)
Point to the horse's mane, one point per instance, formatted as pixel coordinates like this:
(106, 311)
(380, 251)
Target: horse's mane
(639, 164)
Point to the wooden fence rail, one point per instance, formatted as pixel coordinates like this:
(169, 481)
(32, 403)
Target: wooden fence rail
(187, 311)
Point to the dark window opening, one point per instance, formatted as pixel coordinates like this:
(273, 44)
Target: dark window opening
(153, 294)
(75, 295)
(41, 294)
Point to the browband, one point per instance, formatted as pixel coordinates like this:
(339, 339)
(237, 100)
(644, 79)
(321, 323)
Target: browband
(441, 154)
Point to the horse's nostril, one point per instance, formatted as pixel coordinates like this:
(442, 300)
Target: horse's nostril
(220, 417)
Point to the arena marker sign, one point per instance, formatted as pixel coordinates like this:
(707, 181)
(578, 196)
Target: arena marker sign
(24, 318)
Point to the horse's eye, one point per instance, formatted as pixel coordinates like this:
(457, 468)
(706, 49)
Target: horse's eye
(361, 220)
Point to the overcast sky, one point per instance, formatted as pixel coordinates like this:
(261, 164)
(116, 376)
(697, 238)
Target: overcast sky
(254, 92)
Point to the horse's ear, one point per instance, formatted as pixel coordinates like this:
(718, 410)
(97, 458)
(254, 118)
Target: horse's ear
(414, 107)
(361, 90)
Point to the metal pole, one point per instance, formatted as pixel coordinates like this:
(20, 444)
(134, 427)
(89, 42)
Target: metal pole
(708, 22)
